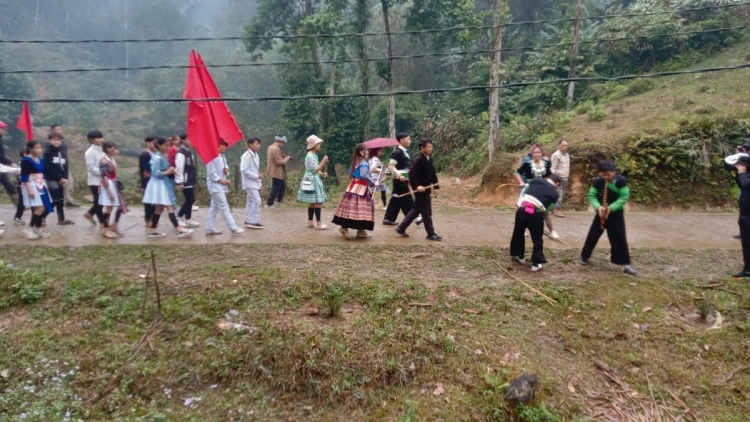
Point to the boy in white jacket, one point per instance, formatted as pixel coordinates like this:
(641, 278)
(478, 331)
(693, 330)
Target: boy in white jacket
(252, 183)
(218, 186)
(94, 156)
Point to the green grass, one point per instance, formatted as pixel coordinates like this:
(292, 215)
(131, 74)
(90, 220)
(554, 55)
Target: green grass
(448, 315)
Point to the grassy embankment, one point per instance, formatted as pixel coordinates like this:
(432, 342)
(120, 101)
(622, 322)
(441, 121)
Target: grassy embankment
(423, 334)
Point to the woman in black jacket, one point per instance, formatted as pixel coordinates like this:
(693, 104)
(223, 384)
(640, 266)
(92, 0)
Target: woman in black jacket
(536, 168)
(56, 175)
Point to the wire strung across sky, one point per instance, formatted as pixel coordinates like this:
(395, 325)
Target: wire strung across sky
(382, 94)
(375, 59)
(372, 34)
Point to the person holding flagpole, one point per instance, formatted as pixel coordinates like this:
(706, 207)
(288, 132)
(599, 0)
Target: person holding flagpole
(217, 181)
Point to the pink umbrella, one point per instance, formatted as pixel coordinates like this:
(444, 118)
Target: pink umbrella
(381, 143)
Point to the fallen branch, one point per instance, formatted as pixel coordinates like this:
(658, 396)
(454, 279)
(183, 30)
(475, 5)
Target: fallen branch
(682, 403)
(549, 299)
(731, 375)
(546, 233)
(653, 400)
(421, 305)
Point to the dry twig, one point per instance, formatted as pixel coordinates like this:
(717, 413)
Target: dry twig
(549, 299)
(731, 375)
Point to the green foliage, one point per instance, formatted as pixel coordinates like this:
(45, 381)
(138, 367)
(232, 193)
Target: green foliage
(333, 299)
(18, 287)
(536, 414)
(639, 86)
(597, 114)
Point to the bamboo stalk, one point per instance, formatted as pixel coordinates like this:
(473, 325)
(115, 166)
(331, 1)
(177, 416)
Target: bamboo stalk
(549, 299)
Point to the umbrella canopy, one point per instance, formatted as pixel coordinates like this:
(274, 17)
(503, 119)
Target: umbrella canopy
(381, 143)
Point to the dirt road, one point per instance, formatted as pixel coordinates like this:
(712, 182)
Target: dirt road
(485, 227)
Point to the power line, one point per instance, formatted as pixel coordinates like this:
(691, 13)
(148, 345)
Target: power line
(373, 59)
(372, 34)
(384, 94)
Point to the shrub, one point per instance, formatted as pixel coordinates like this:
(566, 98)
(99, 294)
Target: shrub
(333, 299)
(597, 114)
(639, 86)
(18, 287)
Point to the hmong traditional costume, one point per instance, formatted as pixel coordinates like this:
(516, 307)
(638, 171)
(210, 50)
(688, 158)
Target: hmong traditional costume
(356, 210)
(537, 199)
(160, 190)
(400, 162)
(318, 193)
(32, 172)
(530, 170)
(108, 168)
(618, 194)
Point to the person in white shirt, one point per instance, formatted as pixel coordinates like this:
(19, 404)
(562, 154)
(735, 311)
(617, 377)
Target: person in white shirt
(94, 157)
(218, 186)
(561, 167)
(8, 170)
(252, 183)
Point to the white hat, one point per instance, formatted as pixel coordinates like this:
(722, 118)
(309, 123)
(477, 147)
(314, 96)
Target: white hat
(313, 140)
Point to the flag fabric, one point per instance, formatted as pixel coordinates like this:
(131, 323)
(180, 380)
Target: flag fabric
(207, 122)
(24, 122)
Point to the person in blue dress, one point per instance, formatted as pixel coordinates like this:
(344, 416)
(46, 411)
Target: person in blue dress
(35, 193)
(160, 190)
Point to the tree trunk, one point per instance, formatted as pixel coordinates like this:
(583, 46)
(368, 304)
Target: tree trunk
(391, 97)
(364, 67)
(494, 140)
(313, 50)
(574, 51)
(36, 15)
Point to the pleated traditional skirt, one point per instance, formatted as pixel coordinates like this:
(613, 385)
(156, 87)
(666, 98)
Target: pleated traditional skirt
(159, 192)
(356, 211)
(104, 196)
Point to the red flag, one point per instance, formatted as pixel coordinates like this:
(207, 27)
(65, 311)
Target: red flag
(24, 123)
(207, 122)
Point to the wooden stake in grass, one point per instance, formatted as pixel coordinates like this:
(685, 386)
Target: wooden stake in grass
(156, 282)
(549, 299)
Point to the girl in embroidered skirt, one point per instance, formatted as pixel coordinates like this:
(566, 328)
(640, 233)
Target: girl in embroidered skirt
(311, 190)
(35, 194)
(536, 168)
(377, 175)
(160, 190)
(357, 209)
(110, 196)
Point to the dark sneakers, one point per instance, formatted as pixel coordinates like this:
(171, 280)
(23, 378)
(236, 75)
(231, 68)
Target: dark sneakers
(742, 274)
(736, 236)
(389, 223)
(401, 233)
(434, 237)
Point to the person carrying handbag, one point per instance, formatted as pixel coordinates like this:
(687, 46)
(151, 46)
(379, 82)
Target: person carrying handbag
(311, 190)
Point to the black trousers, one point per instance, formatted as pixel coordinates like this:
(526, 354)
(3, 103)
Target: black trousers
(20, 208)
(96, 209)
(744, 223)
(10, 187)
(423, 206)
(57, 195)
(187, 208)
(535, 224)
(618, 240)
(148, 210)
(278, 186)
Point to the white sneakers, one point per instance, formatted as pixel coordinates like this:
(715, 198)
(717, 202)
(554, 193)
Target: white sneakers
(187, 223)
(536, 267)
(554, 235)
(195, 208)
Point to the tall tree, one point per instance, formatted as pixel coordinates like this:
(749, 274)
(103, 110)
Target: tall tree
(494, 139)
(362, 14)
(386, 4)
(574, 50)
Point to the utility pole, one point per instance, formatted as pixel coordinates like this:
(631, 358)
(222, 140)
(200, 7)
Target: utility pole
(494, 140)
(127, 46)
(574, 50)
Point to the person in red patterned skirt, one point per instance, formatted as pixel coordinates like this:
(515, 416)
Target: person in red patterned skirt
(357, 209)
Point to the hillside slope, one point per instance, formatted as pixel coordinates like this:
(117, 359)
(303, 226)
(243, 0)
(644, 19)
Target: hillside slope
(670, 100)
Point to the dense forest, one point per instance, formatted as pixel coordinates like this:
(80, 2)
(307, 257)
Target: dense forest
(539, 40)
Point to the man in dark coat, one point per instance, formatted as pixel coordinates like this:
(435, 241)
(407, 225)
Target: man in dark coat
(424, 182)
